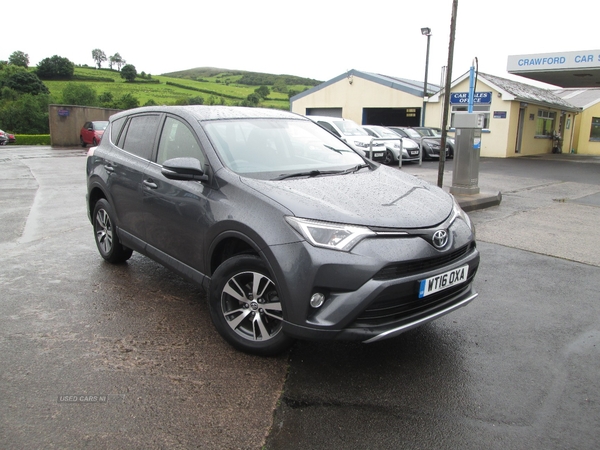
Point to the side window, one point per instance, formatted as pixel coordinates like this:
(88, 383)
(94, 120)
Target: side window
(329, 128)
(177, 141)
(140, 135)
(115, 129)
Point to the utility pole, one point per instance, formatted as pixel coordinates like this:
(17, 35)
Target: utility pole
(447, 94)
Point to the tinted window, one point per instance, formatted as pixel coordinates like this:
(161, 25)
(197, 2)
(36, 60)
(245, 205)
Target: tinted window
(115, 129)
(177, 141)
(140, 135)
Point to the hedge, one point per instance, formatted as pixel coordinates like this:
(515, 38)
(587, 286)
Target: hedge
(32, 139)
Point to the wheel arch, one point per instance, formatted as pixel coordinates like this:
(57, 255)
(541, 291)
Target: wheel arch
(230, 244)
(96, 193)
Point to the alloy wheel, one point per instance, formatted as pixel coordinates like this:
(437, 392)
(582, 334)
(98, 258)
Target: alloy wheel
(104, 231)
(251, 307)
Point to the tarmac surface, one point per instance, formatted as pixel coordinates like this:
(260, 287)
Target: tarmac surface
(102, 356)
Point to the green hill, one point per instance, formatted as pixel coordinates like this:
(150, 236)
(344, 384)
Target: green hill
(215, 86)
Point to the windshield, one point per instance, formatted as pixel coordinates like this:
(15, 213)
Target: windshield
(100, 126)
(412, 133)
(349, 128)
(272, 148)
(385, 132)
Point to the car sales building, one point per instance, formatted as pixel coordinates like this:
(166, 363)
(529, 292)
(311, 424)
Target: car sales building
(516, 118)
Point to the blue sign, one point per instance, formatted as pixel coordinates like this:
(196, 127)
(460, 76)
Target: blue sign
(63, 112)
(462, 98)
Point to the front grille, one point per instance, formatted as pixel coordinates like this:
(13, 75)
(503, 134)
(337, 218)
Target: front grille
(394, 307)
(403, 269)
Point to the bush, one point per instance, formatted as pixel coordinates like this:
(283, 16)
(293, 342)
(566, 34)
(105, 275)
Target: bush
(32, 139)
(27, 114)
(79, 94)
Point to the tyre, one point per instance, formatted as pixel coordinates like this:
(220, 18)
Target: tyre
(389, 157)
(245, 306)
(83, 144)
(105, 233)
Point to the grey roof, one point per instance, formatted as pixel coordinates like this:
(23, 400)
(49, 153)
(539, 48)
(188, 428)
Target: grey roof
(402, 84)
(582, 98)
(527, 93)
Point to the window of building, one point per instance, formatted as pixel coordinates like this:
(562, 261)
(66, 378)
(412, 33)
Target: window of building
(545, 123)
(482, 111)
(595, 131)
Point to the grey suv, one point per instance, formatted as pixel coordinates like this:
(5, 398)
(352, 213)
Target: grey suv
(292, 233)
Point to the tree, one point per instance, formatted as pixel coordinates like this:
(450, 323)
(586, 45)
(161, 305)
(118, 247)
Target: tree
(262, 92)
(107, 99)
(99, 56)
(117, 60)
(26, 115)
(253, 99)
(127, 101)
(79, 94)
(55, 68)
(25, 82)
(128, 72)
(280, 86)
(198, 100)
(19, 58)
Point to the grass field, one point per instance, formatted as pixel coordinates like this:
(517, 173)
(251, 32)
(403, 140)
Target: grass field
(217, 88)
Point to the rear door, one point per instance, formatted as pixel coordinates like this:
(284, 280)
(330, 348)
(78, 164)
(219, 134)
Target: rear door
(126, 167)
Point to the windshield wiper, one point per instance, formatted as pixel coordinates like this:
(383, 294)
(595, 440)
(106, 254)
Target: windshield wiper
(311, 173)
(335, 149)
(316, 173)
(356, 168)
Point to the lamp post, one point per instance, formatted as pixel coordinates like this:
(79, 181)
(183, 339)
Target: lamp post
(425, 32)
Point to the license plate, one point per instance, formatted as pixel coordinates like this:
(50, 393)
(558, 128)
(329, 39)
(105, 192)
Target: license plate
(378, 155)
(414, 153)
(443, 281)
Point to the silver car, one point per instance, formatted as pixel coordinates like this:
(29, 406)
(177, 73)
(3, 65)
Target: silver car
(410, 149)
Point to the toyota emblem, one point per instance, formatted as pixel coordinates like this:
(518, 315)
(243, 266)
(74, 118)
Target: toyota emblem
(440, 239)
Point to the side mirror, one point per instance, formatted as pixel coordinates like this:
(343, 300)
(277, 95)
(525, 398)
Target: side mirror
(184, 169)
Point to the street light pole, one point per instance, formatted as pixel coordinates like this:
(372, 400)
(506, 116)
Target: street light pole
(425, 32)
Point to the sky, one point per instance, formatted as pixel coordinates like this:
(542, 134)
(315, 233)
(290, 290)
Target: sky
(314, 39)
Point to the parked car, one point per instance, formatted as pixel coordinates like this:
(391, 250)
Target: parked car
(353, 134)
(437, 133)
(91, 132)
(410, 149)
(11, 138)
(431, 146)
(292, 233)
(4, 139)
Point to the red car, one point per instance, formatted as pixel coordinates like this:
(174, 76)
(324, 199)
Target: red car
(91, 132)
(4, 138)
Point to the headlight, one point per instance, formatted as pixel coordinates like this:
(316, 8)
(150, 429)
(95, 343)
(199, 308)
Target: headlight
(361, 144)
(329, 235)
(458, 212)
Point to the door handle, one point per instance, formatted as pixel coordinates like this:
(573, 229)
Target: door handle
(151, 184)
(109, 168)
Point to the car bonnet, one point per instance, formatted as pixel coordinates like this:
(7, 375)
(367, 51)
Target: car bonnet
(383, 197)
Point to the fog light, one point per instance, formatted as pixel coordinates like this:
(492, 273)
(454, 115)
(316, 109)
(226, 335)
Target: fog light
(317, 300)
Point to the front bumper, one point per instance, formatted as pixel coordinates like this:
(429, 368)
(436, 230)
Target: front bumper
(371, 293)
